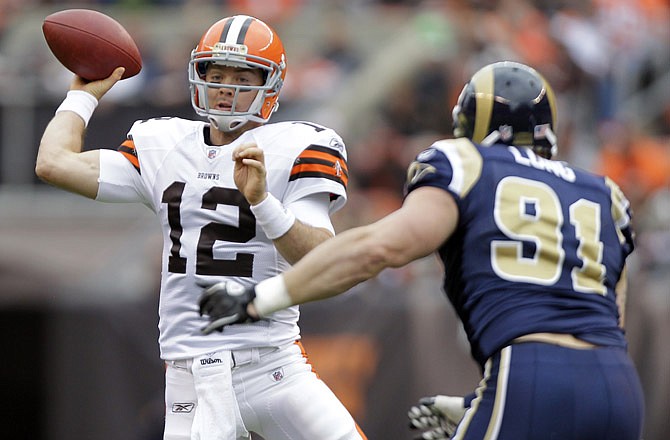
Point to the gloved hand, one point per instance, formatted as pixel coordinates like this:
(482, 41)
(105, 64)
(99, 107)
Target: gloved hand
(226, 303)
(437, 416)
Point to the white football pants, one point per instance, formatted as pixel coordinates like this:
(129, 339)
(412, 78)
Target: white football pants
(276, 395)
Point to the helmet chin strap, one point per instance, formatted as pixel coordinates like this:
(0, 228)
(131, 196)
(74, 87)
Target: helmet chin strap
(548, 134)
(227, 123)
(491, 139)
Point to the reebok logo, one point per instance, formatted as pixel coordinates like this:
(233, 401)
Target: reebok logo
(183, 407)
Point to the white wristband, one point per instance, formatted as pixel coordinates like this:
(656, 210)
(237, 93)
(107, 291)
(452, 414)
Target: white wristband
(273, 217)
(271, 296)
(80, 102)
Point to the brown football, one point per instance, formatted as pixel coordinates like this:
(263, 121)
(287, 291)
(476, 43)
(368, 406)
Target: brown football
(91, 44)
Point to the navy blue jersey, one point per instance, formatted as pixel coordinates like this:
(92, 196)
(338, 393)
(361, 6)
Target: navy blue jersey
(539, 246)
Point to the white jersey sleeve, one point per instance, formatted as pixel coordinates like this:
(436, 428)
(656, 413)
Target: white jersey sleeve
(313, 210)
(119, 181)
(304, 158)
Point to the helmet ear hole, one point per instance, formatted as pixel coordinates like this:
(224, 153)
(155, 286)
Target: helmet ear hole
(201, 68)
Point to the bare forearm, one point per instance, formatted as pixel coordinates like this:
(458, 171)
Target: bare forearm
(64, 132)
(324, 272)
(299, 240)
(59, 158)
(332, 268)
(63, 136)
(361, 253)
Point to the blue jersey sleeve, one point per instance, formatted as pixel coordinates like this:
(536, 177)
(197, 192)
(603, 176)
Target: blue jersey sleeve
(453, 165)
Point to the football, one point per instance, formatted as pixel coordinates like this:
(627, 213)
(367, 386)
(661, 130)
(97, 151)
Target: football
(91, 44)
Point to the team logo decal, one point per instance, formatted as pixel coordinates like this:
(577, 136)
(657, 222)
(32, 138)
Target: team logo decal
(426, 155)
(506, 132)
(334, 143)
(338, 168)
(419, 170)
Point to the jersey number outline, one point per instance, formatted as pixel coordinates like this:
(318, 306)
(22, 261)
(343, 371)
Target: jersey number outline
(206, 264)
(530, 211)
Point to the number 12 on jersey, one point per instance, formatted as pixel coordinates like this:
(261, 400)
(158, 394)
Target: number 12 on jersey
(206, 264)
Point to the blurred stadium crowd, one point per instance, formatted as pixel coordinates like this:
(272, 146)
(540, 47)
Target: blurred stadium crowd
(386, 74)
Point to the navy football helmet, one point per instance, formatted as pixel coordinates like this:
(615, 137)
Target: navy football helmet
(508, 103)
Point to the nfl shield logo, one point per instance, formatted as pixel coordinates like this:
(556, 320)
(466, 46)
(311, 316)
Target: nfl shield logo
(506, 132)
(278, 375)
(211, 154)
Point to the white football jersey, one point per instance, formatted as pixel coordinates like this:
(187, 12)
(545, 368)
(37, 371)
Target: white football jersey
(209, 231)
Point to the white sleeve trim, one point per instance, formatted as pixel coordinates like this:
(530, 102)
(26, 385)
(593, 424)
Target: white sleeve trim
(313, 210)
(119, 181)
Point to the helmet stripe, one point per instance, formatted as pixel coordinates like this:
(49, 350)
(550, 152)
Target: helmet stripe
(483, 85)
(552, 103)
(243, 31)
(235, 30)
(226, 29)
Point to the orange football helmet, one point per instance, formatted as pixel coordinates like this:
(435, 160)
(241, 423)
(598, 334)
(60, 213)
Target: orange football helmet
(240, 41)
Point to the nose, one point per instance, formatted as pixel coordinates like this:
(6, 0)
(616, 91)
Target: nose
(227, 91)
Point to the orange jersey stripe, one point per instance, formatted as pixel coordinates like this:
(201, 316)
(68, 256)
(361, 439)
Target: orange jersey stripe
(321, 162)
(299, 173)
(326, 157)
(318, 168)
(129, 143)
(127, 148)
(132, 159)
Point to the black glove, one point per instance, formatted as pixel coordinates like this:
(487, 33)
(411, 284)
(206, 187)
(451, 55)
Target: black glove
(226, 303)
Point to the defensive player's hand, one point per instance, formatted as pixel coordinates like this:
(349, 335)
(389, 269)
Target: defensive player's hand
(436, 416)
(100, 87)
(250, 173)
(226, 303)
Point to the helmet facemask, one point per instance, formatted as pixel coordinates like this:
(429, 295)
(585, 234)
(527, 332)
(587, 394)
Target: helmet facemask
(230, 120)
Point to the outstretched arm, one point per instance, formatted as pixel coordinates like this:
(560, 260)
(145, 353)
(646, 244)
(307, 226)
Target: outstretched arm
(60, 160)
(427, 219)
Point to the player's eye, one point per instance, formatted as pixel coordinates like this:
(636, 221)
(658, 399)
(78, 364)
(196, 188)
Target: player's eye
(244, 79)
